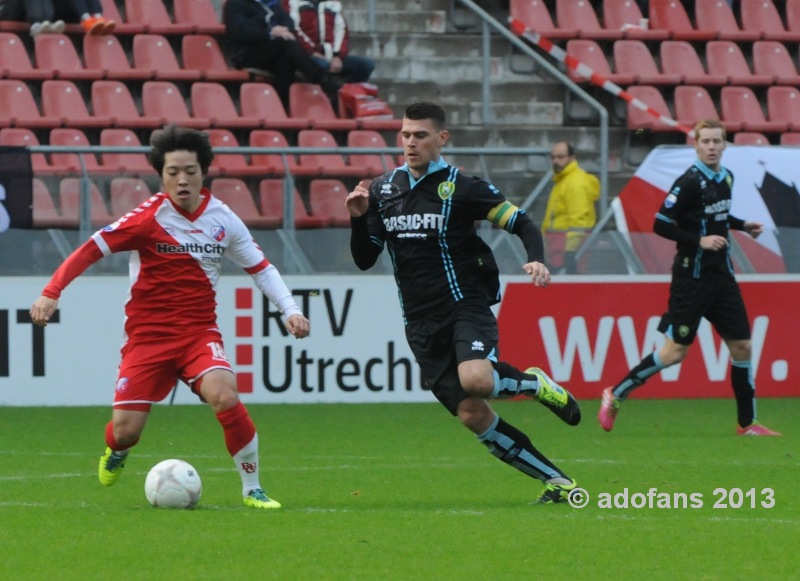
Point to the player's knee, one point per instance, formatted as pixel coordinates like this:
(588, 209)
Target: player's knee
(475, 414)
(740, 350)
(674, 355)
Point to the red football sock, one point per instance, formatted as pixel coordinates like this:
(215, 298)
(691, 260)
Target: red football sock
(112, 443)
(238, 428)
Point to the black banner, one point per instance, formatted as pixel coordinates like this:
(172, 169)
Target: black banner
(16, 189)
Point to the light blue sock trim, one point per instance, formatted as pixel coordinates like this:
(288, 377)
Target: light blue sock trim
(488, 434)
(504, 387)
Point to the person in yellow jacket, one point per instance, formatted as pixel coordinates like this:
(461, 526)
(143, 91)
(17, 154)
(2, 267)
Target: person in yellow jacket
(570, 208)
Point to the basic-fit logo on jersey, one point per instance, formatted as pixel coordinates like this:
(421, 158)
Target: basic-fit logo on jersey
(218, 233)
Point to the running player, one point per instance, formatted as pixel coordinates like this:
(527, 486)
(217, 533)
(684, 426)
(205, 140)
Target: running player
(178, 238)
(696, 215)
(425, 213)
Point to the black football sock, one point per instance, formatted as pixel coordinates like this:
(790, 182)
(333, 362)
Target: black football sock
(510, 381)
(636, 377)
(745, 391)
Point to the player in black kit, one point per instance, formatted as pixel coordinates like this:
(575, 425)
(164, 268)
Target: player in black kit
(424, 213)
(696, 215)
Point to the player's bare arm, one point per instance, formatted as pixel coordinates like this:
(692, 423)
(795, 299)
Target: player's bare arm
(540, 274)
(42, 309)
(298, 326)
(357, 201)
(713, 242)
(754, 228)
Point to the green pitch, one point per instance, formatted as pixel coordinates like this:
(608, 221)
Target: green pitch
(374, 492)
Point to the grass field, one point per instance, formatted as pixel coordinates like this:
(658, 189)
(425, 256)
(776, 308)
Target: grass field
(375, 492)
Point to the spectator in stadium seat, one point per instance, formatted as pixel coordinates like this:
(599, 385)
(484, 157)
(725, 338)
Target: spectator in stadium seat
(696, 215)
(171, 331)
(425, 212)
(260, 34)
(570, 208)
(89, 13)
(322, 30)
(40, 14)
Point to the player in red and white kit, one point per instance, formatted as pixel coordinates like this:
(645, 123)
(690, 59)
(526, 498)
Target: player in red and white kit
(177, 240)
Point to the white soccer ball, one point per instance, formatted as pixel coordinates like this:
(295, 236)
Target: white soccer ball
(173, 484)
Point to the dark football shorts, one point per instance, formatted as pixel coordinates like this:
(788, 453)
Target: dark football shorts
(717, 299)
(441, 343)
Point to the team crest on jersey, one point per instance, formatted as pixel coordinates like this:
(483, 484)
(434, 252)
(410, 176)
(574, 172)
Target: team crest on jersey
(446, 189)
(218, 233)
(683, 330)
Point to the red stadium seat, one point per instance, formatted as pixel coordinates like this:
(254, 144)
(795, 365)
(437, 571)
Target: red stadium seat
(45, 213)
(763, 18)
(21, 137)
(790, 139)
(793, 15)
(373, 164)
(152, 15)
(308, 101)
(740, 104)
(129, 163)
(261, 100)
(15, 63)
(271, 163)
(324, 164)
(127, 194)
(111, 12)
(671, 15)
(202, 52)
(589, 53)
(625, 15)
(57, 53)
(271, 196)
(724, 57)
(105, 53)
(693, 103)
(326, 199)
(718, 15)
(72, 162)
(535, 14)
(112, 99)
(633, 57)
(163, 100)
(580, 14)
(678, 57)
(652, 97)
(230, 164)
(212, 101)
(237, 196)
(783, 105)
(20, 109)
(770, 58)
(200, 14)
(69, 192)
(153, 54)
(750, 138)
(62, 99)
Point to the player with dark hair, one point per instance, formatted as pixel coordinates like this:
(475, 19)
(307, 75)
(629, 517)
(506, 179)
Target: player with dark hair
(696, 215)
(177, 239)
(425, 213)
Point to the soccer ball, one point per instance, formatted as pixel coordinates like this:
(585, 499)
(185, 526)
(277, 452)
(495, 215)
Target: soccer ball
(173, 484)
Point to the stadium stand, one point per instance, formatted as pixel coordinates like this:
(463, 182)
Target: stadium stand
(163, 100)
(262, 101)
(271, 196)
(235, 193)
(762, 17)
(783, 106)
(724, 57)
(200, 14)
(212, 101)
(45, 213)
(106, 54)
(230, 164)
(113, 99)
(324, 164)
(718, 15)
(153, 54)
(20, 108)
(633, 57)
(326, 200)
(72, 163)
(307, 100)
(126, 194)
(15, 62)
(672, 16)
(582, 16)
(626, 16)
(271, 163)
(62, 100)
(770, 58)
(638, 119)
(22, 137)
(536, 15)
(57, 53)
(741, 104)
(693, 102)
(750, 138)
(127, 163)
(372, 164)
(591, 54)
(678, 57)
(69, 194)
(153, 17)
(202, 53)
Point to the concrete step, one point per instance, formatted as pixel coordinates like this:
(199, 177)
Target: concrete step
(423, 21)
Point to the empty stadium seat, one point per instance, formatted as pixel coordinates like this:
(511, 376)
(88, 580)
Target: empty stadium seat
(633, 57)
(63, 100)
(111, 12)
(792, 13)
(589, 53)
(309, 101)
(770, 58)
(693, 103)
(261, 100)
(783, 106)
(129, 163)
(678, 57)
(45, 213)
(163, 100)
(724, 57)
(272, 163)
(790, 138)
(671, 15)
(105, 53)
(535, 14)
(153, 16)
(718, 15)
(237, 196)
(127, 194)
(750, 138)
(741, 104)
(580, 14)
(57, 53)
(113, 99)
(153, 54)
(326, 200)
(271, 196)
(763, 18)
(230, 164)
(324, 164)
(626, 16)
(20, 108)
(373, 164)
(15, 63)
(74, 163)
(202, 53)
(200, 14)
(212, 101)
(22, 137)
(69, 193)
(652, 97)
